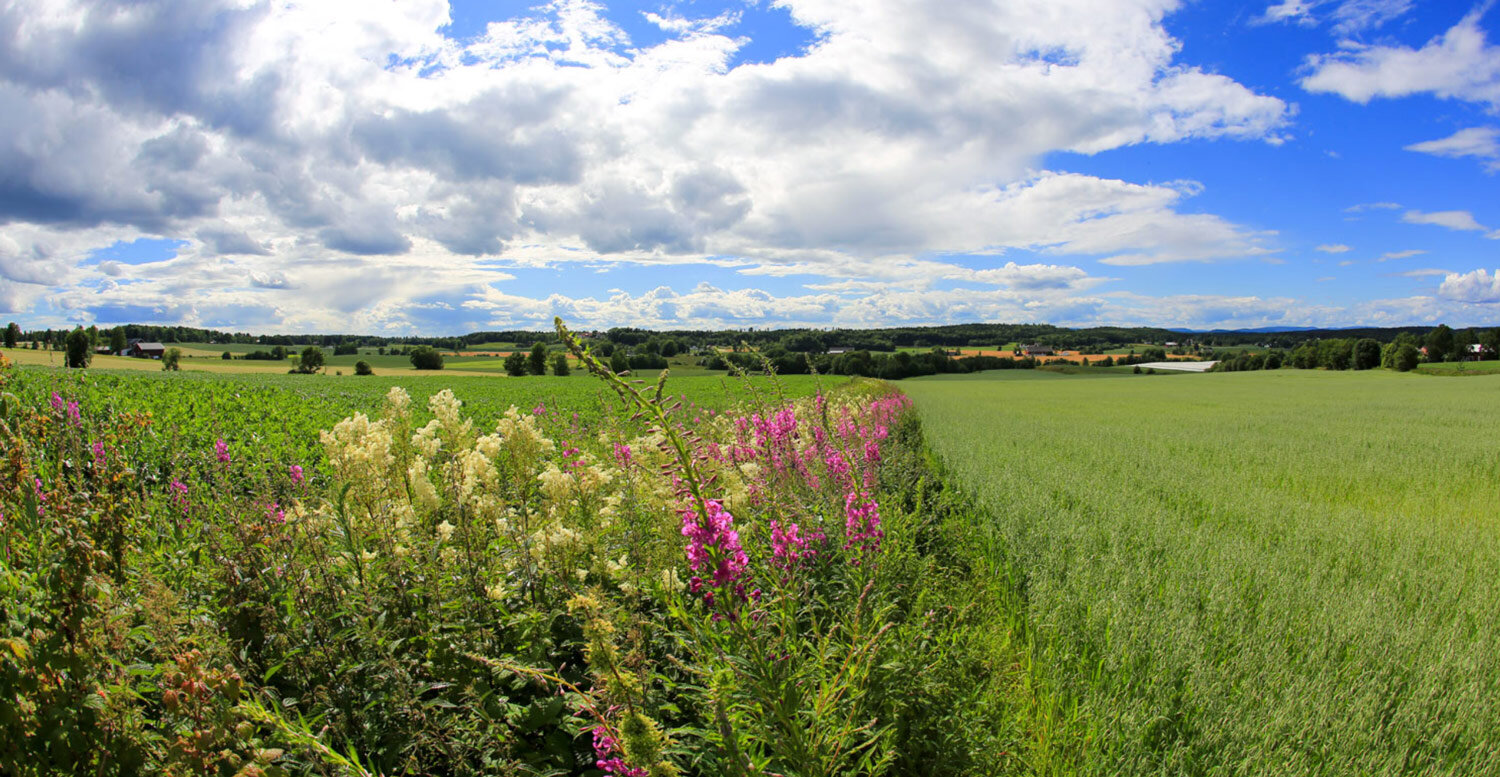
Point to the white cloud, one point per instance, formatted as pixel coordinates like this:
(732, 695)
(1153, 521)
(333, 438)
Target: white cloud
(1461, 220)
(1482, 143)
(300, 144)
(1407, 254)
(1426, 273)
(1348, 17)
(1479, 286)
(1364, 206)
(1334, 248)
(1459, 64)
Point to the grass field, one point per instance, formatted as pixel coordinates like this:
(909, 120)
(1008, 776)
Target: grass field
(1460, 368)
(1255, 573)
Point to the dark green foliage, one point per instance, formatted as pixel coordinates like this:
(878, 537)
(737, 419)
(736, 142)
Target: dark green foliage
(560, 365)
(311, 360)
(117, 340)
(363, 368)
(226, 356)
(171, 360)
(536, 363)
(12, 334)
(515, 364)
(1365, 355)
(1406, 358)
(1440, 344)
(619, 362)
(425, 357)
(346, 349)
(79, 354)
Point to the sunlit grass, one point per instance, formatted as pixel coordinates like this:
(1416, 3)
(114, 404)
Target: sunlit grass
(1291, 572)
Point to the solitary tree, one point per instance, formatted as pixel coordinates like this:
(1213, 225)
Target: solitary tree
(515, 364)
(1366, 354)
(117, 339)
(619, 363)
(171, 360)
(311, 360)
(425, 357)
(79, 353)
(560, 365)
(1406, 358)
(538, 359)
(1440, 343)
(12, 334)
(363, 368)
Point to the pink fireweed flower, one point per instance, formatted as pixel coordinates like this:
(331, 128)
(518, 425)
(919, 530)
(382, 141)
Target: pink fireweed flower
(296, 471)
(275, 514)
(607, 758)
(787, 548)
(623, 454)
(57, 402)
(862, 524)
(74, 416)
(715, 544)
(872, 452)
(98, 453)
(539, 409)
(178, 492)
(221, 450)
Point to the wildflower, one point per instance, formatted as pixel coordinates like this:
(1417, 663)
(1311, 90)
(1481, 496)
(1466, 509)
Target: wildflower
(539, 409)
(221, 450)
(74, 417)
(445, 531)
(296, 474)
(862, 523)
(714, 543)
(57, 402)
(98, 453)
(275, 514)
(787, 548)
(606, 749)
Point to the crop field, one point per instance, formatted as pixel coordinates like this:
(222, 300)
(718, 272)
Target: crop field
(1287, 572)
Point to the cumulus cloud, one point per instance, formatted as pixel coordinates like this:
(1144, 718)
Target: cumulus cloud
(1482, 143)
(1334, 248)
(1460, 64)
(1478, 287)
(299, 145)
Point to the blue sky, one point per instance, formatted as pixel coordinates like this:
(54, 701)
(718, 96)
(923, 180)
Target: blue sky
(437, 167)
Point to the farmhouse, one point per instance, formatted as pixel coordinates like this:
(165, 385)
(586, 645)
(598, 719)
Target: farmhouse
(144, 350)
(1036, 350)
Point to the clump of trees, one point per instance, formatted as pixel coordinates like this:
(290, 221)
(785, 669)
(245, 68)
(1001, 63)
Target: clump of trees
(171, 360)
(515, 364)
(425, 357)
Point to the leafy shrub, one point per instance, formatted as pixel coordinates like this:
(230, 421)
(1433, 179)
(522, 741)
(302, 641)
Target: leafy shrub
(425, 357)
(363, 368)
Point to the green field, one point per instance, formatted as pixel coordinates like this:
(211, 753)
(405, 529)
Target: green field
(1460, 368)
(1289, 572)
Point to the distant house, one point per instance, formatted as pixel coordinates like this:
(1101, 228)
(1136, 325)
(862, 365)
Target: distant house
(1036, 350)
(837, 351)
(1476, 352)
(145, 350)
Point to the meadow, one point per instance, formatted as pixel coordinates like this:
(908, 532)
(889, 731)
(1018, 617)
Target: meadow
(1285, 572)
(264, 575)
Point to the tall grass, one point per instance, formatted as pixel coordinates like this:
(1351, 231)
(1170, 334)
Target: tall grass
(1249, 573)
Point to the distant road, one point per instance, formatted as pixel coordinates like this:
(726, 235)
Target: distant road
(1181, 366)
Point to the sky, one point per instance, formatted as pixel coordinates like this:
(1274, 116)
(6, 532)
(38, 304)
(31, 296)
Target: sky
(434, 167)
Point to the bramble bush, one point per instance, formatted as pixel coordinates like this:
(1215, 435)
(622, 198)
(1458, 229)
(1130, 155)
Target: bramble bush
(783, 589)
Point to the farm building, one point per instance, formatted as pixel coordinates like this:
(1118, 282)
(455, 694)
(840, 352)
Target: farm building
(1035, 350)
(145, 350)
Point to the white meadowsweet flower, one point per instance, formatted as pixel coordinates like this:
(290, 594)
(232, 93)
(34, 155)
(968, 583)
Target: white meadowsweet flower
(445, 531)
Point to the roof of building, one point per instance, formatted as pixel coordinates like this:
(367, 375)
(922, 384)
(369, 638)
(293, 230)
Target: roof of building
(145, 346)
